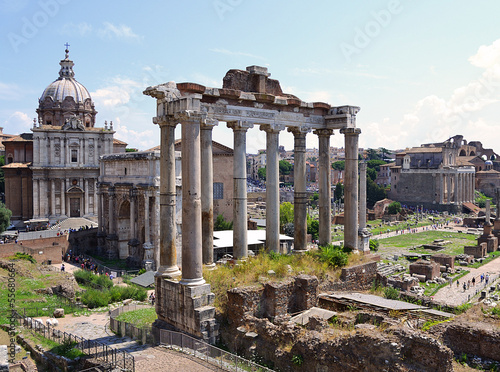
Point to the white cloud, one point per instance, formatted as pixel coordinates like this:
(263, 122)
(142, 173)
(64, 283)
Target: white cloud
(81, 29)
(17, 123)
(468, 111)
(110, 31)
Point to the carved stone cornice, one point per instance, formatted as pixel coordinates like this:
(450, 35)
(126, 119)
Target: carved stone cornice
(299, 131)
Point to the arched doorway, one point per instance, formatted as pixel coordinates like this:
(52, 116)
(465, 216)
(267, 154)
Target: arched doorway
(74, 197)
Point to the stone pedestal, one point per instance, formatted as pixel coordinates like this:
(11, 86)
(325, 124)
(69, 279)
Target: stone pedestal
(148, 262)
(364, 240)
(135, 258)
(185, 308)
(101, 243)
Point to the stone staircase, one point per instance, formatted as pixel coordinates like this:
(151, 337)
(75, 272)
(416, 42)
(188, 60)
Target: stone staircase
(74, 223)
(388, 269)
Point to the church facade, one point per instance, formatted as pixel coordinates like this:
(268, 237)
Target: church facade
(66, 148)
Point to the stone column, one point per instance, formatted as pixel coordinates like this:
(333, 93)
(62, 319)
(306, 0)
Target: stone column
(52, 197)
(441, 188)
(100, 211)
(207, 192)
(168, 230)
(192, 258)
(86, 197)
(272, 187)
(44, 200)
(300, 188)
(63, 151)
(63, 196)
(133, 198)
(351, 136)
(147, 228)
(111, 210)
(36, 199)
(81, 154)
(362, 195)
(448, 188)
(455, 187)
(325, 187)
(240, 224)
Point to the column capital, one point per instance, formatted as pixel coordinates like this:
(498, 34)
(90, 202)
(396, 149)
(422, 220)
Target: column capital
(362, 166)
(208, 123)
(165, 120)
(272, 128)
(299, 131)
(324, 132)
(239, 125)
(350, 131)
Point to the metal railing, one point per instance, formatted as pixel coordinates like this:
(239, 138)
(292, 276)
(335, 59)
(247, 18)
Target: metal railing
(210, 354)
(142, 334)
(102, 353)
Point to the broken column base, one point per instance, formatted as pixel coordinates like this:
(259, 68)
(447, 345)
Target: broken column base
(364, 241)
(186, 309)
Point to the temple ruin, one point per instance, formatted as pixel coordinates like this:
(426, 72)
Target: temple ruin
(247, 99)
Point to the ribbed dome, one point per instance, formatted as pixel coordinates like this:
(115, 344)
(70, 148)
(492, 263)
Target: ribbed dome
(66, 85)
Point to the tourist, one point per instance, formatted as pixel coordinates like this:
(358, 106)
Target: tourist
(473, 281)
(465, 287)
(458, 283)
(62, 267)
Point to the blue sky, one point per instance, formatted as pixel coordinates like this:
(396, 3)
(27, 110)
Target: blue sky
(421, 71)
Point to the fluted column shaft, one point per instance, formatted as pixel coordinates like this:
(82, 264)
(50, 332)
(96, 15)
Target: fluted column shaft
(272, 188)
(168, 253)
(325, 193)
(111, 210)
(132, 213)
(52, 197)
(351, 136)
(192, 258)
(147, 228)
(207, 193)
(240, 224)
(300, 189)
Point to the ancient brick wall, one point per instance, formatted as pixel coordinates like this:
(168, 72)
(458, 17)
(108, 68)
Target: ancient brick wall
(478, 251)
(444, 260)
(42, 250)
(363, 274)
(429, 269)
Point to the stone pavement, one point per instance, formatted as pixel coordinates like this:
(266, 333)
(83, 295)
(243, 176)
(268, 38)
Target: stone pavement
(147, 358)
(455, 296)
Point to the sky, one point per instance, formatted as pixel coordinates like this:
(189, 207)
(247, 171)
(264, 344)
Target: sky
(421, 71)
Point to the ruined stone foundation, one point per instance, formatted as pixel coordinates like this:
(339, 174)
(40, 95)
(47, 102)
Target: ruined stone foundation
(185, 308)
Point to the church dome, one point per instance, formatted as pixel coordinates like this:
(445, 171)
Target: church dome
(66, 85)
(65, 98)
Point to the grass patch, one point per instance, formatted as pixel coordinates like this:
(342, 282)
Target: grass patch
(67, 349)
(88, 278)
(95, 298)
(491, 257)
(139, 318)
(254, 271)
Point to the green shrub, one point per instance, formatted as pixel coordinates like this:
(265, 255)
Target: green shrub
(123, 293)
(391, 293)
(24, 256)
(94, 298)
(333, 256)
(298, 359)
(374, 244)
(86, 278)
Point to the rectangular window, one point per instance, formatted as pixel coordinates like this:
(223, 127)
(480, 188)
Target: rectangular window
(74, 156)
(218, 190)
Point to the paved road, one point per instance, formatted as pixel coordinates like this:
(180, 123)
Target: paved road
(147, 358)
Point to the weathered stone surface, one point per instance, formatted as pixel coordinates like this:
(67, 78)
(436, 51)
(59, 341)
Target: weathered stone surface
(58, 313)
(429, 269)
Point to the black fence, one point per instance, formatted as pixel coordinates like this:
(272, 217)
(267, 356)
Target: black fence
(95, 350)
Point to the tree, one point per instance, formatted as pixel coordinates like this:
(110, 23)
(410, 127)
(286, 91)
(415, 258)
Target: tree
(286, 214)
(285, 167)
(313, 227)
(372, 154)
(339, 191)
(339, 165)
(5, 214)
(375, 164)
(383, 152)
(374, 192)
(371, 173)
(221, 224)
(262, 173)
(394, 208)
